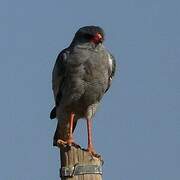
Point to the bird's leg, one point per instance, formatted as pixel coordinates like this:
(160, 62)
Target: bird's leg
(89, 130)
(69, 141)
(70, 138)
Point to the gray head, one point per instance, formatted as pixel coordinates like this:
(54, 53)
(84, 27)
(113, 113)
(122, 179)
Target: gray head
(92, 34)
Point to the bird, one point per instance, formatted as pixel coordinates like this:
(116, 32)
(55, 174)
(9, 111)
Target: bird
(82, 74)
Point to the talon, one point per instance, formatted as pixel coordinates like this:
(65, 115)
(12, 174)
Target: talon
(70, 142)
(93, 152)
(61, 142)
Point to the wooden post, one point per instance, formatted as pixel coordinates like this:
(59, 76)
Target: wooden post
(78, 164)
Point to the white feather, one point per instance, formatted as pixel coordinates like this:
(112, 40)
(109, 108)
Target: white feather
(110, 61)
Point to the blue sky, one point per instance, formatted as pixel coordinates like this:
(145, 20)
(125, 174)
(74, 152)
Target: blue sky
(137, 127)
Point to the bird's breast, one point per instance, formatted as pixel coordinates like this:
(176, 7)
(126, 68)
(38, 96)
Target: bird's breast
(86, 79)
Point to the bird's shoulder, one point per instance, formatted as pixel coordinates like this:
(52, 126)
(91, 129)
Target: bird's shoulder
(61, 61)
(112, 63)
(111, 69)
(59, 69)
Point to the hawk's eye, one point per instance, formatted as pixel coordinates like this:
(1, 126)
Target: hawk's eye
(97, 38)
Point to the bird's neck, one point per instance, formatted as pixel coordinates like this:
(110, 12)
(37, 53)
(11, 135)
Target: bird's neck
(86, 45)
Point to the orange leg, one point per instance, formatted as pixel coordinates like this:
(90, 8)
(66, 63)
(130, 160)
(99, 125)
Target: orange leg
(89, 130)
(70, 139)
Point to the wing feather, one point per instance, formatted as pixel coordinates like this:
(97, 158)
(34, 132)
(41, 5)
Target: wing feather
(58, 76)
(112, 69)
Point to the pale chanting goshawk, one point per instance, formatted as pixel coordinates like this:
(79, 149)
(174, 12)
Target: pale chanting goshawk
(81, 76)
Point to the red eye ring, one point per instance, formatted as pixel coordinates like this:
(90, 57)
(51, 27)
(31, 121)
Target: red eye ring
(97, 38)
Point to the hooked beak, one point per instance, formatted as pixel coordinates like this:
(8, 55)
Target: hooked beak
(97, 38)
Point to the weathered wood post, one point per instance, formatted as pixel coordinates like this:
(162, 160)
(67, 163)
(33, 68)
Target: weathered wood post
(78, 164)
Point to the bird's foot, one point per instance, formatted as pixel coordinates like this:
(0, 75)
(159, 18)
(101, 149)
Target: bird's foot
(91, 150)
(93, 153)
(69, 142)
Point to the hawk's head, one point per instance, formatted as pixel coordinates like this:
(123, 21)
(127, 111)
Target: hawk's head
(92, 34)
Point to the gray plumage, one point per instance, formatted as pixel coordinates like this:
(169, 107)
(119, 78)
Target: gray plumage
(82, 74)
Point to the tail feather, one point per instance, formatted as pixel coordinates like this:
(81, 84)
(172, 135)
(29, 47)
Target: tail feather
(53, 113)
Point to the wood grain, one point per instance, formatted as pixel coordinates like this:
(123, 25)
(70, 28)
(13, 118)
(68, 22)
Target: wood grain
(73, 155)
